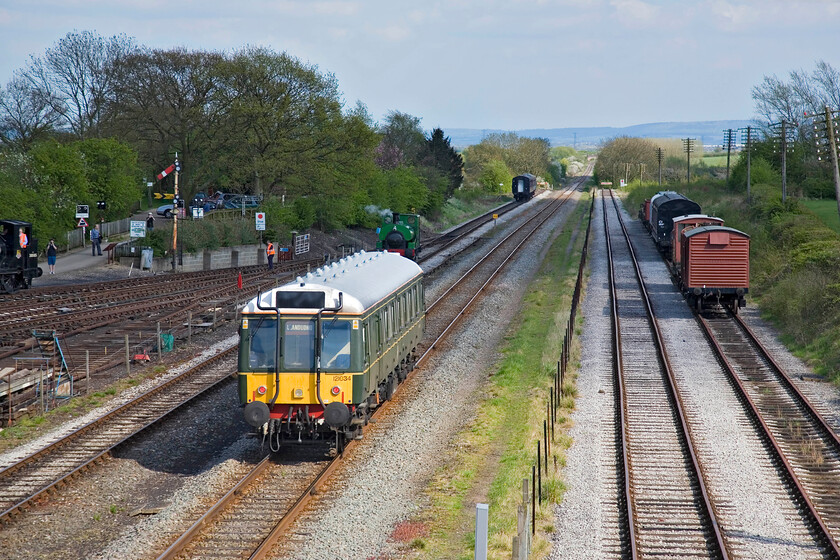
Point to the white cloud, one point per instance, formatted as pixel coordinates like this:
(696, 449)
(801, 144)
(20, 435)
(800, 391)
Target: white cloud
(393, 32)
(731, 15)
(635, 11)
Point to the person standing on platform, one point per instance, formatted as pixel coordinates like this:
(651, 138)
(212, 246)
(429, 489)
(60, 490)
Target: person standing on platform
(95, 241)
(269, 251)
(52, 254)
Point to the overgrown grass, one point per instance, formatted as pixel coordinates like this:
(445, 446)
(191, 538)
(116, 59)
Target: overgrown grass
(462, 207)
(794, 264)
(498, 448)
(34, 425)
(826, 210)
(718, 161)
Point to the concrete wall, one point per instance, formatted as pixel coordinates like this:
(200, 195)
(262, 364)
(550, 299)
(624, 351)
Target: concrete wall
(225, 257)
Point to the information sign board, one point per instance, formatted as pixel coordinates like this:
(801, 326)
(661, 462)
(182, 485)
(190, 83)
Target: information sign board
(260, 220)
(82, 211)
(138, 229)
(302, 244)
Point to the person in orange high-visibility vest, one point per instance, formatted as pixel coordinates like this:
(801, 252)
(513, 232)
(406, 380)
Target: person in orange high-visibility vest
(24, 240)
(269, 251)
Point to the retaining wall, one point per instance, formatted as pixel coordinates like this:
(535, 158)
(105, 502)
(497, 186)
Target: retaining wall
(225, 257)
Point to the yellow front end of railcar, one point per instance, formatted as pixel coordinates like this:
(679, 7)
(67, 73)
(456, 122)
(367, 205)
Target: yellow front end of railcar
(296, 388)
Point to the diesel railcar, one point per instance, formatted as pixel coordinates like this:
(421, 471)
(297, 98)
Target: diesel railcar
(318, 355)
(18, 256)
(524, 186)
(400, 233)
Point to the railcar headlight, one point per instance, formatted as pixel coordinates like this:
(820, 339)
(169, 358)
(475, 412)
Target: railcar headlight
(335, 390)
(298, 393)
(261, 390)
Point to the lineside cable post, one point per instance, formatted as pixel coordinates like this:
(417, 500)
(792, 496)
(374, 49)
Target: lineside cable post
(825, 135)
(728, 142)
(747, 140)
(688, 147)
(659, 157)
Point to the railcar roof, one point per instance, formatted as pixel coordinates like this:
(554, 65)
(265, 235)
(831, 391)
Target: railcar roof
(670, 196)
(363, 279)
(696, 217)
(705, 229)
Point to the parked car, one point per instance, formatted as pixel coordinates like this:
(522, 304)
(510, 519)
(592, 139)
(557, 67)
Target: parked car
(242, 200)
(165, 210)
(219, 199)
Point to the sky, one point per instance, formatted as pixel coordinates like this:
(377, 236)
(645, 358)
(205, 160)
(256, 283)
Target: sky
(483, 64)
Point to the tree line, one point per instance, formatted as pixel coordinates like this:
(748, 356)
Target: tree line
(799, 101)
(94, 117)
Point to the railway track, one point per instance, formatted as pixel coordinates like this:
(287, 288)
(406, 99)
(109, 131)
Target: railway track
(804, 448)
(444, 241)
(34, 476)
(233, 514)
(666, 509)
(94, 323)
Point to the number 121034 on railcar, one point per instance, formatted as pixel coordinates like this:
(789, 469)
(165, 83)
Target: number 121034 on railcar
(320, 354)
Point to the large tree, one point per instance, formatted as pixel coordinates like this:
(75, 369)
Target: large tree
(620, 157)
(446, 160)
(165, 102)
(76, 76)
(26, 116)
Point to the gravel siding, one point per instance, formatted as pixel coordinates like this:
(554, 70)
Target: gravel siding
(587, 519)
(753, 507)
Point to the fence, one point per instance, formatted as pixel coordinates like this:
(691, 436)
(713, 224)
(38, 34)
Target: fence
(522, 541)
(76, 238)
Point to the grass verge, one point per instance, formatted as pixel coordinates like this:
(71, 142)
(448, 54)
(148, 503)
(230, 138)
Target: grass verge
(496, 451)
(463, 207)
(826, 210)
(34, 425)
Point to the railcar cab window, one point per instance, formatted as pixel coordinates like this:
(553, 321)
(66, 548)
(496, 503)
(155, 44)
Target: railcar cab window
(299, 345)
(263, 333)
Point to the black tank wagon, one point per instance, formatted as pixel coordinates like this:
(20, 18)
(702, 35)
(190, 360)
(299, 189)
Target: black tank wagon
(664, 207)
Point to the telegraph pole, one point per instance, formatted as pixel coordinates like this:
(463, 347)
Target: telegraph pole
(659, 156)
(785, 130)
(747, 140)
(728, 141)
(829, 121)
(784, 161)
(688, 146)
(641, 172)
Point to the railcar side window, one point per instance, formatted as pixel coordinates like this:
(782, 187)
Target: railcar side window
(366, 343)
(299, 345)
(335, 353)
(263, 333)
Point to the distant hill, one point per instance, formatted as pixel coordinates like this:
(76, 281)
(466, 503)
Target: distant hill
(707, 132)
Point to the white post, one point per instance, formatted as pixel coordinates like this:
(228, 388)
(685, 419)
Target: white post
(481, 531)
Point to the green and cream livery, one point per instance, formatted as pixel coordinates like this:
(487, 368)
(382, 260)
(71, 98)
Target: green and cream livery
(321, 353)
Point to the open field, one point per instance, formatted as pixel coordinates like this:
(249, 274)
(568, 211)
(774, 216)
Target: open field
(826, 210)
(719, 161)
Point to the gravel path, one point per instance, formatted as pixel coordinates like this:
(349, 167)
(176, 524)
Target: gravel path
(753, 506)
